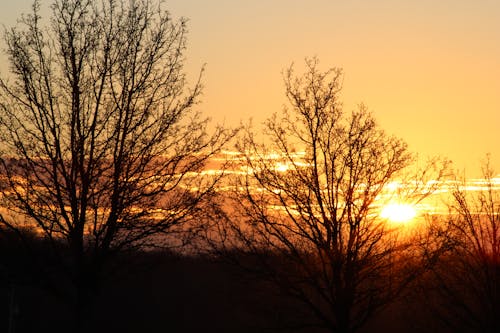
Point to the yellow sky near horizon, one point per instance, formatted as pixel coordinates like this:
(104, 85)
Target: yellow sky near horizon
(429, 70)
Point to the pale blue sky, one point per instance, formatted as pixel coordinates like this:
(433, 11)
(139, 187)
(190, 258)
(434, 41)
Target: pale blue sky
(429, 70)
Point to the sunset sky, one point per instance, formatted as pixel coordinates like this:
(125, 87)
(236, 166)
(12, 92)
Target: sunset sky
(429, 70)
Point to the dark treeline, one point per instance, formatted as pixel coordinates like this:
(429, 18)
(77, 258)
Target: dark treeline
(109, 224)
(162, 291)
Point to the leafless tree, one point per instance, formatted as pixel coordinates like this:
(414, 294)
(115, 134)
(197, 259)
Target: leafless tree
(309, 221)
(100, 134)
(466, 280)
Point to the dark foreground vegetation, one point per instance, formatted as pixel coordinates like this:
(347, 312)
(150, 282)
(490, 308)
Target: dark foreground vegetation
(165, 292)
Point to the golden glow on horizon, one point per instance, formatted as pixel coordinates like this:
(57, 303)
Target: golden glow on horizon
(389, 204)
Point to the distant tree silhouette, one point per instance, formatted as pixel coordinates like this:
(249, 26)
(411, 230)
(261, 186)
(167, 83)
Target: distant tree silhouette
(309, 223)
(466, 281)
(100, 137)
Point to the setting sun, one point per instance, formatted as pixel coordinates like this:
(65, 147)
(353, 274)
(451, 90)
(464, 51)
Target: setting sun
(399, 213)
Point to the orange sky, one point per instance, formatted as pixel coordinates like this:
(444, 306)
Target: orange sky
(429, 70)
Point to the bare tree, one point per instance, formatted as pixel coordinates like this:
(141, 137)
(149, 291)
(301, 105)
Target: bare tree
(306, 215)
(100, 137)
(466, 281)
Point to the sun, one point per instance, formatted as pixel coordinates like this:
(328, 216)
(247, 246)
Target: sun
(281, 167)
(398, 212)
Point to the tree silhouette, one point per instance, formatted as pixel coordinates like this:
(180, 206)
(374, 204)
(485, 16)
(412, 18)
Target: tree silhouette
(466, 280)
(309, 221)
(100, 137)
